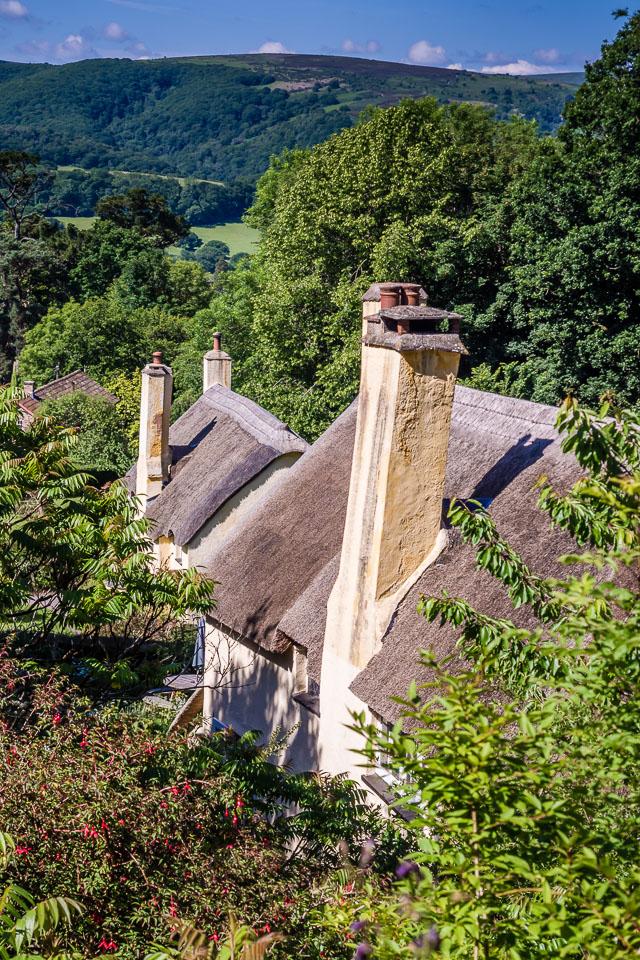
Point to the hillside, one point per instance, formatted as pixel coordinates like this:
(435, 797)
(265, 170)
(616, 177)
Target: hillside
(222, 117)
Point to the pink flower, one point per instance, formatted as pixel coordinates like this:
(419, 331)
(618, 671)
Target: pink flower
(107, 946)
(20, 849)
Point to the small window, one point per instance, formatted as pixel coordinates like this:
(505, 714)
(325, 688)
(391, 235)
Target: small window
(313, 687)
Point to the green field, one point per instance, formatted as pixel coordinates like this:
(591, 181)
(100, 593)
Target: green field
(138, 173)
(239, 237)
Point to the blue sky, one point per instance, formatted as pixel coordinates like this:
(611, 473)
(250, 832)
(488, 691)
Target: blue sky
(514, 36)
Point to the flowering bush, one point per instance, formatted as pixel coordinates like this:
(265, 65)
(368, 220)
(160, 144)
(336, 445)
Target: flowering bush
(141, 828)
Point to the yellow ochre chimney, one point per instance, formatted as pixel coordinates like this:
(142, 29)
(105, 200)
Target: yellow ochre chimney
(393, 523)
(217, 366)
(154, 455)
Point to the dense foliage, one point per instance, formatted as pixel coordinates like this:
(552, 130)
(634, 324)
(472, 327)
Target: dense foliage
(223, 117)
(141, 827)
(75, 560)
(526, 799)
(534, 240)
(409, 193)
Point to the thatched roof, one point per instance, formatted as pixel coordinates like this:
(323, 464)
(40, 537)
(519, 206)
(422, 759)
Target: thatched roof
(278, 568)
(275, 554)
(218, 445)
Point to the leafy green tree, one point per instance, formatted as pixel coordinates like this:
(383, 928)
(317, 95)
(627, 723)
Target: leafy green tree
(102, 336)
(189, 243)
(104, 434)
(29, 274)
(104, 251)
(409, 193)
(21, 178)
(147, 214)
(209, 254)
(569, 307)
(152, 279)
(73, 558)
(526, 806)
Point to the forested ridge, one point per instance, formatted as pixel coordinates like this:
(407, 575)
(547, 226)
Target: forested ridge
(223, 117)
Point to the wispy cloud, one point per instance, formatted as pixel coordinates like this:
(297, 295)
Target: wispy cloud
(424, 52)
(13, 10)
(350, 46)
(150, 7)
(74, 47)
(272, 46)
(518, 67)
(131, 46)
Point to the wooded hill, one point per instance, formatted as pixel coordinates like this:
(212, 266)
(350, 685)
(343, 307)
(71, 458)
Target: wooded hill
(223, 117)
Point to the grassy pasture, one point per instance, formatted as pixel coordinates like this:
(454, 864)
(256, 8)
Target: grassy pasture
(239, 237)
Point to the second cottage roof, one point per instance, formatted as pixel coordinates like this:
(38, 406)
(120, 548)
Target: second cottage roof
(218, 445)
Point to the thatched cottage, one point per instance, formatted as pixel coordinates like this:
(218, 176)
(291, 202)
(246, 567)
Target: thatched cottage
(320, 580)
(196, 479)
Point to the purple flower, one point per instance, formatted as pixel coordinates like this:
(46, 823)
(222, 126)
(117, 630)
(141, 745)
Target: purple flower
(406, 868)
(433, 938)
(358, 925)
(364, 950)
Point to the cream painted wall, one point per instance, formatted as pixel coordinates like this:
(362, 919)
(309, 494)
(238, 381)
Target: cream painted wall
(230, 513)
(259, 694)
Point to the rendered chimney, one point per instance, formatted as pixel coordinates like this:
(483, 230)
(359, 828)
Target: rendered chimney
(217, 366)
(29, 387)
(392, 528)
(154, 455)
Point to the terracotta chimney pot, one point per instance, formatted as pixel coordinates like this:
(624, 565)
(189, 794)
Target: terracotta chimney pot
(389, 295)
(412, 294)
(217, 341)
(157, 358)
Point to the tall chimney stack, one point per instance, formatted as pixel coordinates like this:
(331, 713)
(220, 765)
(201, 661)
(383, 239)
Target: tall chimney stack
(392, 528)
(217, 366)
(154, 455)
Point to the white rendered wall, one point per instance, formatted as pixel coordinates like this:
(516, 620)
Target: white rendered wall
(259, 696)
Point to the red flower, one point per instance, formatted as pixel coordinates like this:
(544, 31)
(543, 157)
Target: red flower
(107, 946)
(57, 718)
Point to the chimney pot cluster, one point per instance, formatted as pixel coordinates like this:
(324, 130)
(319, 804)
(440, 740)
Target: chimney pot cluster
(399, 294)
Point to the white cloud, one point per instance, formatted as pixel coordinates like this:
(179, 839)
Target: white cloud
(272, 46)
(455, 66)
(149, 7)
(74, 47)
(520, 67)
(350, 46)
(13, 9)
(114, 31)
(132, 46)
(547, 56)
(425, 52)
